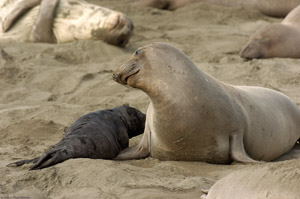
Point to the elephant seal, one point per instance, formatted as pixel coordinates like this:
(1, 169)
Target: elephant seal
(276, 40)
(60, 21)
(194, 117)
(97, 135)
(272, 180)
(273, 8)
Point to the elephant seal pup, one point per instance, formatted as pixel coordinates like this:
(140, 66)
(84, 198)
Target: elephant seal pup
(273, 8)
(60, 21)
(276, 40)
(272, 180)
(97, 135)
(194, 117)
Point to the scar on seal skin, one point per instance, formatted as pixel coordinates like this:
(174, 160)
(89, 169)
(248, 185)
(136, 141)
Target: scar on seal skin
(195, 117)
(276, 40)
(97, 135)
(60, 21)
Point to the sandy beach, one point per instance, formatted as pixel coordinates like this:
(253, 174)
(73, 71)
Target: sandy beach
(44, 88)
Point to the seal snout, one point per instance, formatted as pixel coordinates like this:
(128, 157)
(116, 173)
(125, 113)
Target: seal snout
(119, 77)
(120, 29)
(116, 77)
(251, 51)
(124, 72)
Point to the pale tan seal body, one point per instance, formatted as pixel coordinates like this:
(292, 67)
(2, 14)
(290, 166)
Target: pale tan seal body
(60, 21)
(269, 181)
(194, 117)
(276, 40)
(274, 8)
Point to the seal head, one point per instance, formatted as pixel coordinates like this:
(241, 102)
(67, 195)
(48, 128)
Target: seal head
(117, 31)
(127, 73)
(273, 40)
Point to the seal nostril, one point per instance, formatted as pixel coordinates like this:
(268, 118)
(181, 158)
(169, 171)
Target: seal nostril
(115, 76)
(121, 43)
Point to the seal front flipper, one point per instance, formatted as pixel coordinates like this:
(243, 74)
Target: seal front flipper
(16, 12)
(134, 152)
(237, 150)
(139, 151)
(22, 162)
(43, 27)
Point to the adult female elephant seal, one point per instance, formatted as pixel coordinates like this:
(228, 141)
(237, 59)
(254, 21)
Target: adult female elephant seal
(59, 21)
(272, 180)
(194, 117)
(97, 135)
(276, 40)
(273, 8)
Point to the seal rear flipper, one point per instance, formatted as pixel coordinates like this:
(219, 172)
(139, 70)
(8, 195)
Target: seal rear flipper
(22, 162)
(43, 27)
(237, 150)
(51, 158)
(16, 12)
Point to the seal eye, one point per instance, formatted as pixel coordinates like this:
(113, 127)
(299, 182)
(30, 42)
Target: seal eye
(137, 52)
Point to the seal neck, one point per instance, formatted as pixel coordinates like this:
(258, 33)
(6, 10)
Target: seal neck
(193, 86)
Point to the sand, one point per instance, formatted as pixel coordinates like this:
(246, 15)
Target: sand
(45, 87)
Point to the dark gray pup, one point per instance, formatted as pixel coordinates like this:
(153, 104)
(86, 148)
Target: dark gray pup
(97, 135)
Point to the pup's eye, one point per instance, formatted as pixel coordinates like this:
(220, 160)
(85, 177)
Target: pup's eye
(137, 52)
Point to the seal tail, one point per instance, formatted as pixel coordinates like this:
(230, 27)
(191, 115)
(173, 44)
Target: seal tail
(51, 157)
(22, 162)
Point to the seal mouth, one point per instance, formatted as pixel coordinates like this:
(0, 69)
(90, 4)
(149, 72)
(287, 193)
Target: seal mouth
(130, 75)
(123, 78)
(252, 50)
(120, 31)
